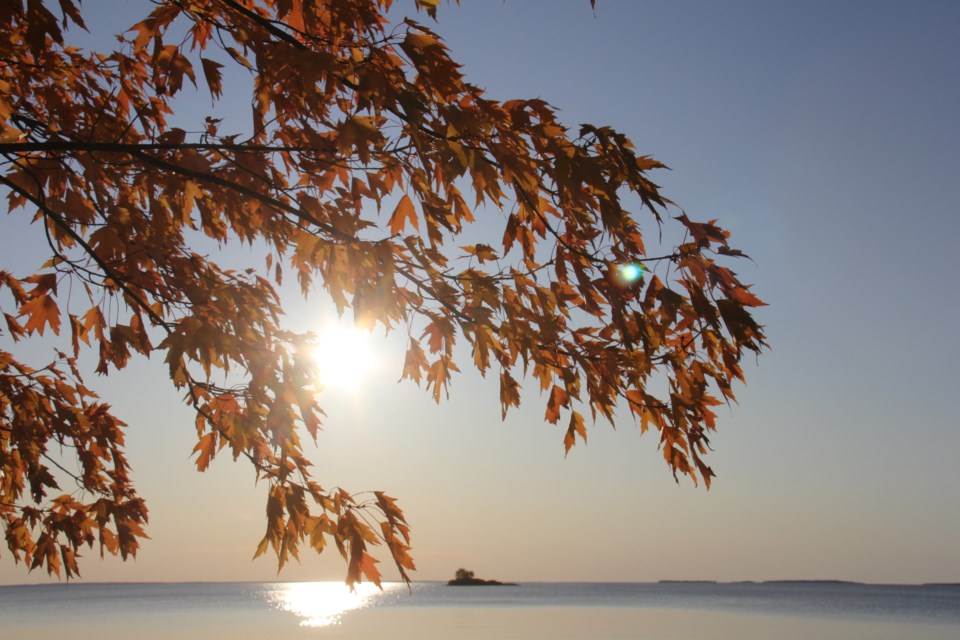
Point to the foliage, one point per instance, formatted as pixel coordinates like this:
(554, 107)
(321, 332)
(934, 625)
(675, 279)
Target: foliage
(463, 574)
(367, 158)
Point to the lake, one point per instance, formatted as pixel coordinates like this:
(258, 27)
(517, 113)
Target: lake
(558, 611)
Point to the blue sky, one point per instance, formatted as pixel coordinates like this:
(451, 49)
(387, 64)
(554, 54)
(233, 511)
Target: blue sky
(824, 135)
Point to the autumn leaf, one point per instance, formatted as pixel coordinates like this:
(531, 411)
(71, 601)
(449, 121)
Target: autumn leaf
(482, 252)
(576, 428)
(211, 73)
(415, 361)
(430, 6)
(403, 213)
(509, 393)
(744, 297)
(206, 447)
(368, 566)
(41, 311)
(558, 399)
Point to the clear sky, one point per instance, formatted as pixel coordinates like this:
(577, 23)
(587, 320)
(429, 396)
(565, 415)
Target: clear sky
(825, 136)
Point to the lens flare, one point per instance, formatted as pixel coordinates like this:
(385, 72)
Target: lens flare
(630, 273)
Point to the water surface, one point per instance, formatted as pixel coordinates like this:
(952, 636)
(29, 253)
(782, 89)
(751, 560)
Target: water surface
(594, 611)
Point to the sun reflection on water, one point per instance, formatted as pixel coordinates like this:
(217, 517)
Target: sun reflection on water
(319, 604)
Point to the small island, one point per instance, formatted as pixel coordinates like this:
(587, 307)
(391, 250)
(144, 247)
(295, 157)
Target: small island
(465, 578)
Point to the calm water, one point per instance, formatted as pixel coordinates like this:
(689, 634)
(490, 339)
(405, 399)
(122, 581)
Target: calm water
(821, 611)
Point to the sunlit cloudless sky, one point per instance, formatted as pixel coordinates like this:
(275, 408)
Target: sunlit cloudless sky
(824, 136)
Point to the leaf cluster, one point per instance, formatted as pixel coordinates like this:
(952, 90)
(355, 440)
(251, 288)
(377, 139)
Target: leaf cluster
(367, 156)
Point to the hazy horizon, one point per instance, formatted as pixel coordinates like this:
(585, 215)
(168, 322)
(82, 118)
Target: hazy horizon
(417, 580)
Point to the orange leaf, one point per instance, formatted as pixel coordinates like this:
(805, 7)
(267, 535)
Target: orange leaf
(558, 399)
(744, 297)
(404, 211)
(484, 253)
(575, 429)
(41, 311)
(368, 565)
(509, 393)
(414, 361)
(206, 447)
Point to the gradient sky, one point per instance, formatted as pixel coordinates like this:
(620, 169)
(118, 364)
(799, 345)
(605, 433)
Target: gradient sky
(825, 136)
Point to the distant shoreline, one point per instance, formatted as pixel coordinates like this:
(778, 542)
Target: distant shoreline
(72, 583)
(815, 582)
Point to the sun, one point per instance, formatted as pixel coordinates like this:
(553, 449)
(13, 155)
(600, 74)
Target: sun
(344, 357)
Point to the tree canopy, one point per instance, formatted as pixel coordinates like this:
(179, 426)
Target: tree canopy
(366, 158)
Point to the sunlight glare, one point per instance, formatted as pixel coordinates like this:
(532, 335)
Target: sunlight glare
(320, 604)
(343, 357)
